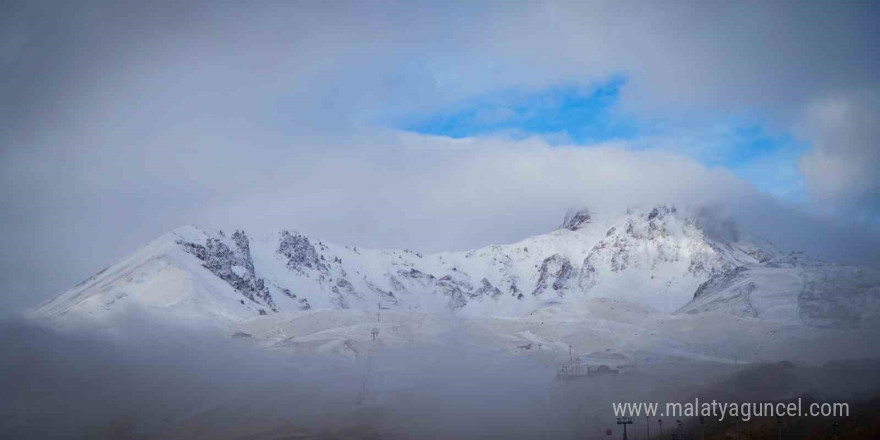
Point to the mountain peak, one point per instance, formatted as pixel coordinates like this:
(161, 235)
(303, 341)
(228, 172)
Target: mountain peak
(661, 211)
(577, 218)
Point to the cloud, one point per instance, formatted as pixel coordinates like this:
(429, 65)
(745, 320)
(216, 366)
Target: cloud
(435, 193)
(173, 382)
(842, 167)
(122, 120)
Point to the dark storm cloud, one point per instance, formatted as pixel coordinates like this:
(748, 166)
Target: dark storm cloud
(120, 120)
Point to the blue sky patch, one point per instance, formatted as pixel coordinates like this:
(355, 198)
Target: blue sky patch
(767, 160)
(587, 115)
(581, 115)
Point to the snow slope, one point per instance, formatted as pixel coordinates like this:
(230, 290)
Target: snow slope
(597, 332)
(795, 290)
(656, 258)
(615, 289)
(159, 277)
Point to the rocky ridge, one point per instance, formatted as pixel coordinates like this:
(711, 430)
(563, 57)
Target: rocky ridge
(660, 258)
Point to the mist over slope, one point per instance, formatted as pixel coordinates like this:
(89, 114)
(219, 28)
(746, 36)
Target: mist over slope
(161, 380)
(275, 335)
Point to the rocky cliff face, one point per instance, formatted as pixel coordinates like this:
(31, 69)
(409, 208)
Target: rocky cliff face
(555, 274)
(300, 253)
(231, 261)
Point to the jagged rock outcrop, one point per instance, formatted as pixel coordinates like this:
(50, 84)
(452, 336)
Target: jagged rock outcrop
(660, 237)
(487, 289)
(303, 303)
(233, 265)
(657, 243)
(300, 253)
(555, 272)
(577, 219)
(588, 275)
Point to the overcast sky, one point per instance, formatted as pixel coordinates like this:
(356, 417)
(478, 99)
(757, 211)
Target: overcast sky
(427, 125)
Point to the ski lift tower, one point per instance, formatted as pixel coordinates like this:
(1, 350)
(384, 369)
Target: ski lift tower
(624, 421)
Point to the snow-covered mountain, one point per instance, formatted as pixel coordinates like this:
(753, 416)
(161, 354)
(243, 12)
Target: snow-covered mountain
(658, 258)
(797, 290)
(656, 296)
(655, 257)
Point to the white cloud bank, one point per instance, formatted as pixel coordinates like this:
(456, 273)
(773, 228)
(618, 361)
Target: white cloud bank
(124, 119)
(843, 168)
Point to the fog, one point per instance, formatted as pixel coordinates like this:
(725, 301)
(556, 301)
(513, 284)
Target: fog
(160, 380)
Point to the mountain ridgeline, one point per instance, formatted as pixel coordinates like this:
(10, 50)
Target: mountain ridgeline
(659, 259)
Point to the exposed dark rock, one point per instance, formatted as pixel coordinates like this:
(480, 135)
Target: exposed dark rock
(415, 274)
(457, 290)
(304, 304)
(383, 294)
(487, 289)
(345, 286)
(577, 219)
(396, 285)
(555, 269)
(588, 274)
(300, 253)
(233, 265)
(514, 291)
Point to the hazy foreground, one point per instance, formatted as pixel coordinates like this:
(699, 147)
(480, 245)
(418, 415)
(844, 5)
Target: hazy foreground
(182, 383)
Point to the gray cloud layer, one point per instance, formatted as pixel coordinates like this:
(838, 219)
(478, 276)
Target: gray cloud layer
(172, 382)
(121, 120)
